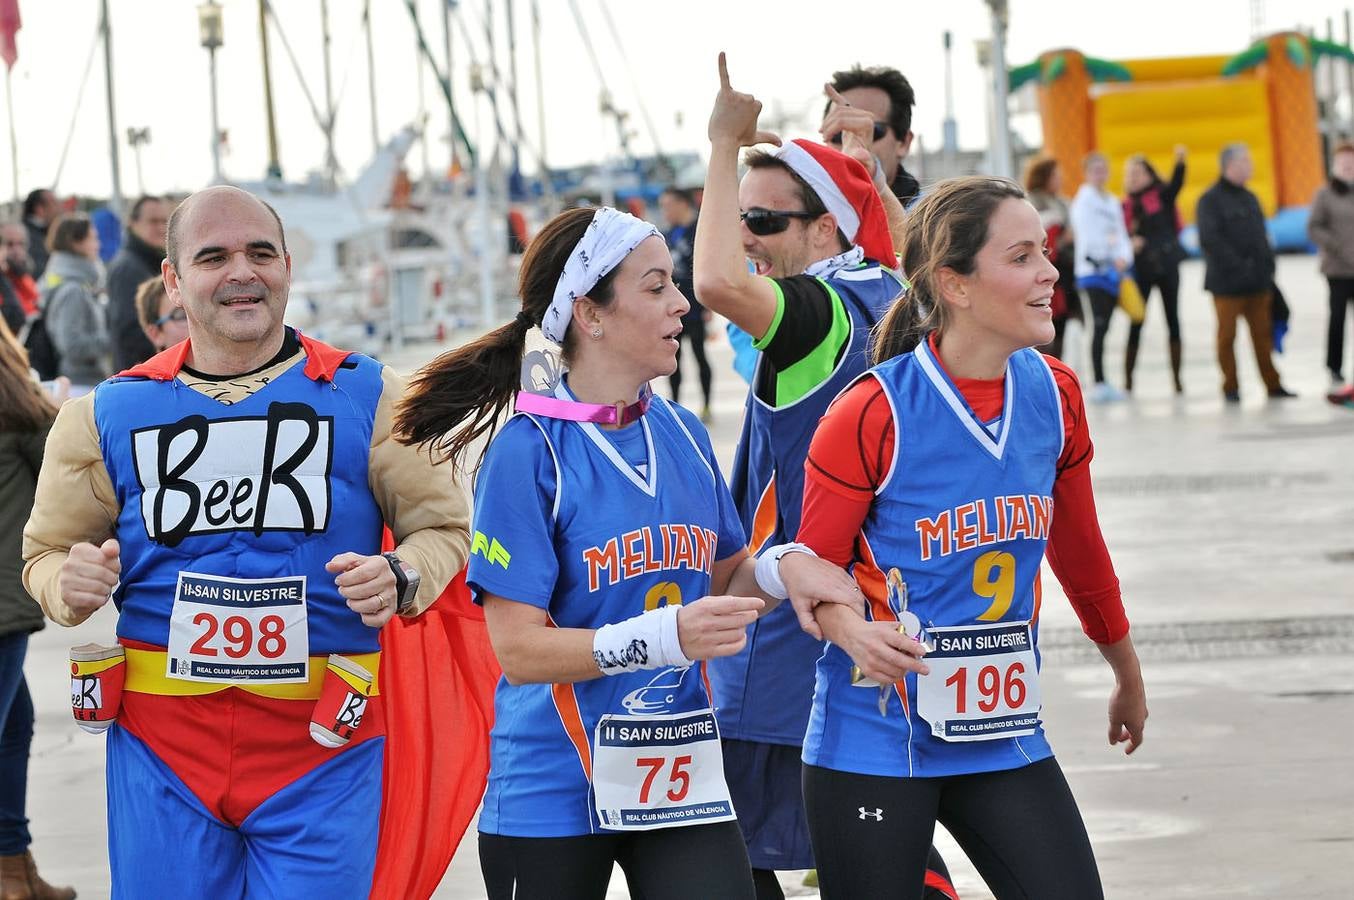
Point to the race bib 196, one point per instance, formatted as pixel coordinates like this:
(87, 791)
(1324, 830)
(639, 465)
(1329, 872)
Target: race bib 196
(239, 629)
(984, 683)
(659, 771)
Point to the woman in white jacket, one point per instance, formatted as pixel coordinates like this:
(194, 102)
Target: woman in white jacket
(1103, 256)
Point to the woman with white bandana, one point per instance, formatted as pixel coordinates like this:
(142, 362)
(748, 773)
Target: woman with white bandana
(609, 559)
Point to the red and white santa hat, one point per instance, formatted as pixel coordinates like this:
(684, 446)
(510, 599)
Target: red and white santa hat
(848, 193)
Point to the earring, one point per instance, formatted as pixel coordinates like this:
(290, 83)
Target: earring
(597, 334)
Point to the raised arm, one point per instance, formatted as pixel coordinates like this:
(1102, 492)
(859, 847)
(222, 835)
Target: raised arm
(722, 280)
(856, 127)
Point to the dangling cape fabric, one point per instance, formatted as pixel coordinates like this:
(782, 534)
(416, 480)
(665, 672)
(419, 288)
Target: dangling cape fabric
(438, 674)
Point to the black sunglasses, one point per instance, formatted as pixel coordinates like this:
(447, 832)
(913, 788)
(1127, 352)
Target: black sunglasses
(880, 129)
(762, 222)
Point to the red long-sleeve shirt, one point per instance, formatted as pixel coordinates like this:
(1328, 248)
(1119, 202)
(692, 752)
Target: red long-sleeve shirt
(849, 458)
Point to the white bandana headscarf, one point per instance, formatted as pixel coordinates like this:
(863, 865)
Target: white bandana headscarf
(608, 239)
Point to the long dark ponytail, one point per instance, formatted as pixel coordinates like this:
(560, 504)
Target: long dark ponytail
(946, 229)
(463, 394)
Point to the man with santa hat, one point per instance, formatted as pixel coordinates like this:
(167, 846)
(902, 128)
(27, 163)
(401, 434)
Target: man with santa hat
(799, 255)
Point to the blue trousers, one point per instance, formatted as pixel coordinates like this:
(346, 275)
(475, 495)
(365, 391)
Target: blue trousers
(16, 736)
(315, 837)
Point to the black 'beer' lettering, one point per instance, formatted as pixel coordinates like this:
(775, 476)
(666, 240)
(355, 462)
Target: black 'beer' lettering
(278, 413)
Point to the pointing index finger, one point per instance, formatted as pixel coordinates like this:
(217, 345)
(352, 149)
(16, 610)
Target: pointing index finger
(724, 71)
(834, 95)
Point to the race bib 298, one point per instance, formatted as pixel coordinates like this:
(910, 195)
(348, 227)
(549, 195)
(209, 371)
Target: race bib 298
(260, 473)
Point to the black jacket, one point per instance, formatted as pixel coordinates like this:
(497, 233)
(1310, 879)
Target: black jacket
(37, 247)
(905, 187)
(1237, 255)
(134, 263)
(20, 459)
(1151, 216)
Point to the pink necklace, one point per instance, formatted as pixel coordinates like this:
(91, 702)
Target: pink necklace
(578, 411)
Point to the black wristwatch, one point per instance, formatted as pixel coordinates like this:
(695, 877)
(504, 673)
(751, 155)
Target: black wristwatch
(406, 582)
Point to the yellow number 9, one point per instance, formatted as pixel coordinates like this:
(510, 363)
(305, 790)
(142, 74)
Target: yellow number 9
(994, 576)
(665, 593)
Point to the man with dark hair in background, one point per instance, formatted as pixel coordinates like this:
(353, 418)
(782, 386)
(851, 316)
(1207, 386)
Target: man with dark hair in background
(138, 259)
(886, 94)
(40, 208)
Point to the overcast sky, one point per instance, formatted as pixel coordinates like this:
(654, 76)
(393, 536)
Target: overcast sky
(781, 51)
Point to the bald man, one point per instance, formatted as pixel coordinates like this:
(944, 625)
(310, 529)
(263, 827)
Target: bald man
(228, 496)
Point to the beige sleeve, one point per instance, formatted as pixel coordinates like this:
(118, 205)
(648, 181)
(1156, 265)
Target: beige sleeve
(75, 502)
(422, 503)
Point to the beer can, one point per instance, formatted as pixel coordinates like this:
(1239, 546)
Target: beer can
(97, 676)
(343, 701)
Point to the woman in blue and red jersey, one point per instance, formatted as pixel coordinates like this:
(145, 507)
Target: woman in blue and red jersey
(945, 462)
(610, 560)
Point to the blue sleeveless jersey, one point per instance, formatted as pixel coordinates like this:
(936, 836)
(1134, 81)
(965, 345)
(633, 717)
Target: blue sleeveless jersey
(562, 522)
(964, 515)
(764, 692)
(272, 486)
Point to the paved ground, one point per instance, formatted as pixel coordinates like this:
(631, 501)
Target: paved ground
(1233, 533)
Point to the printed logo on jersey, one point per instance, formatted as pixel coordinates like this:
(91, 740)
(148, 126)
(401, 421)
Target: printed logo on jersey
(656, 697)
(642, 552)
(490, 549)
(985, 521)
(259, 473)
(877, 815)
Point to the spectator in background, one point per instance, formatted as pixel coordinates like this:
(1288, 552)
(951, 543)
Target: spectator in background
(17, 266)
(679, 213)
(142, 252)
(163, 323)
(1238, 269)
(886, 94)
(1154, 228)
(25, 415)
(1103, 257)
(71, 305)
(1331, 228)
(40, 209)
(1043, 184)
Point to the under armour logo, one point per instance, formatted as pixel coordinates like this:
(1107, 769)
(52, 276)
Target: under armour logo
(877, 815)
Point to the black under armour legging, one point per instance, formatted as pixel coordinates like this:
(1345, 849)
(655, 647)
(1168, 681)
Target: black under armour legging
(687, 863)
(1020, 828)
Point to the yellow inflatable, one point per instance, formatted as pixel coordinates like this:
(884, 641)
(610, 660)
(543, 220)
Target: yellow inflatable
(1263, 96)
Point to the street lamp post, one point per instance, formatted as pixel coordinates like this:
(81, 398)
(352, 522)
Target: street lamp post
(210, 33)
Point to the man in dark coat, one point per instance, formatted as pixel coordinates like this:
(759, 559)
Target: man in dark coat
(1238, 269)
(138, 259)
(40, 208)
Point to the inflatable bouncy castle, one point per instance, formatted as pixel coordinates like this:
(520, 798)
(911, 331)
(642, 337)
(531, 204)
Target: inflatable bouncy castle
(1264, 97)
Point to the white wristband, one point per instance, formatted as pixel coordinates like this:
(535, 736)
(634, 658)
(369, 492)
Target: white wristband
(646, 641)
(767, 571)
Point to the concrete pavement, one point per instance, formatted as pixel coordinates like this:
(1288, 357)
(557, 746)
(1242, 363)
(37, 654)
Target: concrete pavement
(1232, 530)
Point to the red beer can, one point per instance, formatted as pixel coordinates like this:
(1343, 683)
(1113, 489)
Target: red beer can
(97, 676)
(343, 701)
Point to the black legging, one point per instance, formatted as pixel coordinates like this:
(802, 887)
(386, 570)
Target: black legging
(663, 864)
(1168, 283)
(1102, 307)
(1341, 295)
(693, 331)
(1020, 828)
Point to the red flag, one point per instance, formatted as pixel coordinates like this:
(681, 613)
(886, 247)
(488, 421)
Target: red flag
(10, 23)
(438, 674)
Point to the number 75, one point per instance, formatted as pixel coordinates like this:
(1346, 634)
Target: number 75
(678, 774)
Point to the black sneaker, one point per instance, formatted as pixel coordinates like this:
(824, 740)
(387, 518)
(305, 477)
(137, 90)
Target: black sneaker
(1232, 396)
(1281, 393)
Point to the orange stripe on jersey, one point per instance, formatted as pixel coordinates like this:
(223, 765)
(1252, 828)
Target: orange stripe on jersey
(1038, 595)
(764, 519)
(566, 705)
(874, 585)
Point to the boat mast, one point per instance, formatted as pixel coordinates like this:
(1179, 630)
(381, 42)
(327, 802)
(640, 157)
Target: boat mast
(116, 200)
(330, 160)
(274, 167)
(371, 77)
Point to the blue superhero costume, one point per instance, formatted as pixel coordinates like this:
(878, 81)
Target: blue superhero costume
(228, 516)
(600, 526)
(964, 515)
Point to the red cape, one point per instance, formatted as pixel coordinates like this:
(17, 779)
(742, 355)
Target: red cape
(322, 361)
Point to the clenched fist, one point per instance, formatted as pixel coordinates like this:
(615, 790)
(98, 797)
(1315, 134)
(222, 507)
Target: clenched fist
(89, 575)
